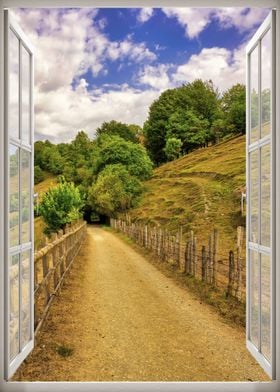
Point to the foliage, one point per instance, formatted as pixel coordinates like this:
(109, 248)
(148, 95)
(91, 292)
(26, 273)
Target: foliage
(115, 190)
(172, 148)
(38, 175)
(115, 128)
(60, 205)
(114, 150)
(190, 129)
(234, 107)
(186, 113)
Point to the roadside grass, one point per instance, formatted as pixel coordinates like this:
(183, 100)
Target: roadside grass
(229, 308)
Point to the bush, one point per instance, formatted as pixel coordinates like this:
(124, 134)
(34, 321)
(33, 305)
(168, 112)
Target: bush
(38, 175)
(60, 205)
(173, 148)
(115, 190)
(115, 150)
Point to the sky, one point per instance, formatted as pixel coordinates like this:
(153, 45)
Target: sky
(96, 65)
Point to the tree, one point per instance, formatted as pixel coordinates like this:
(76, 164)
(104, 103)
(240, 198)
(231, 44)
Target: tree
(199, 99)
(155, 126)
(114, 150)
(115, 190)
(234, 107)
(190, 129)
(115, 128)
(38, 175)
(60, 205)
(172, 148)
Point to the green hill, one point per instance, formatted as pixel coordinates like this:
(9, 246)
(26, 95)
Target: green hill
(199, 191)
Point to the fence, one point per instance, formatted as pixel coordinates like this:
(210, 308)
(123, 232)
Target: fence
(204, 263)
(51, 264)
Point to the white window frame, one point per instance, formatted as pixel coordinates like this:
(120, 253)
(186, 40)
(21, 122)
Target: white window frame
(273, 386)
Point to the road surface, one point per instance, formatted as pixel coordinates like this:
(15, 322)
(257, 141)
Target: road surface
(124, 320)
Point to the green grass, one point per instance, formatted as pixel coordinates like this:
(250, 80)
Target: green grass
(64, 351)
(199, 191)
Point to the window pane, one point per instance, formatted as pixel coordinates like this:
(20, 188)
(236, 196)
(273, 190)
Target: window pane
(266, 84)
(254, 297)
(25, 96)
(254, 133)
(265, 195)
(14, 306)
(25, 195)
(14, 196)
(265, 306)
(254, 195)
(25, 289)
(13, 86)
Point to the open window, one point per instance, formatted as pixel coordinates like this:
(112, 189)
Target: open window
(261, 195)
(19, 196)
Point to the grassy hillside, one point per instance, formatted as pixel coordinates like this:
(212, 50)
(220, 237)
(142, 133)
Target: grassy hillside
(39, 225)
(199, 191)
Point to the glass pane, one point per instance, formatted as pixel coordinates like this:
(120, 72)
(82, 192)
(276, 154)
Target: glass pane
(266, 84)
(25, 195)
(265, 195)
(25, 290)
(254, 134)
(13, 85)
(14, 306)
(265, 306)
(254, 195)
(25, 96)
(14, 196)
(254, 297)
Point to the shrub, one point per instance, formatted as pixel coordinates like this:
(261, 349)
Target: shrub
(38, 175)
(115, 190)
(60, 205)
(173, 148)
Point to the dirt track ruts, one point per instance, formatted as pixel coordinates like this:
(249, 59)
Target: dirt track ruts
(127, 321)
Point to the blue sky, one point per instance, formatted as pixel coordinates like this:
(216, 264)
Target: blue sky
(95, 65)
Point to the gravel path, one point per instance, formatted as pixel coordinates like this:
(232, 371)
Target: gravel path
(126, 321)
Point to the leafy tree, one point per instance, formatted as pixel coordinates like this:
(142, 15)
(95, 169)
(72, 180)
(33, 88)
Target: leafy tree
(234, 107)
(199, 99)
(115, 190)
(172, 148)
(189, 128)
(60, 205)
(218, 130)
(115, 128)
(38, 175)
(114, 150)
(155, 127)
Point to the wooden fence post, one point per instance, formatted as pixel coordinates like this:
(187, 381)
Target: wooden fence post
(230, 273)
(209, 261)
(214, 255)
(203, 264)
(240, 237)
(194, 257)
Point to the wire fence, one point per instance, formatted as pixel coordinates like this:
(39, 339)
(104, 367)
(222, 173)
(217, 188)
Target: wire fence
(223, 270)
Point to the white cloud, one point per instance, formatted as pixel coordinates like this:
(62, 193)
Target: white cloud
(155, 76)
(145, 14)
(62, 112)
(68, 44)
(195, 20)
(222, 66)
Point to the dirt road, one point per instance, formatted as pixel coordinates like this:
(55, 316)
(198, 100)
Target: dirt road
(121, 319)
